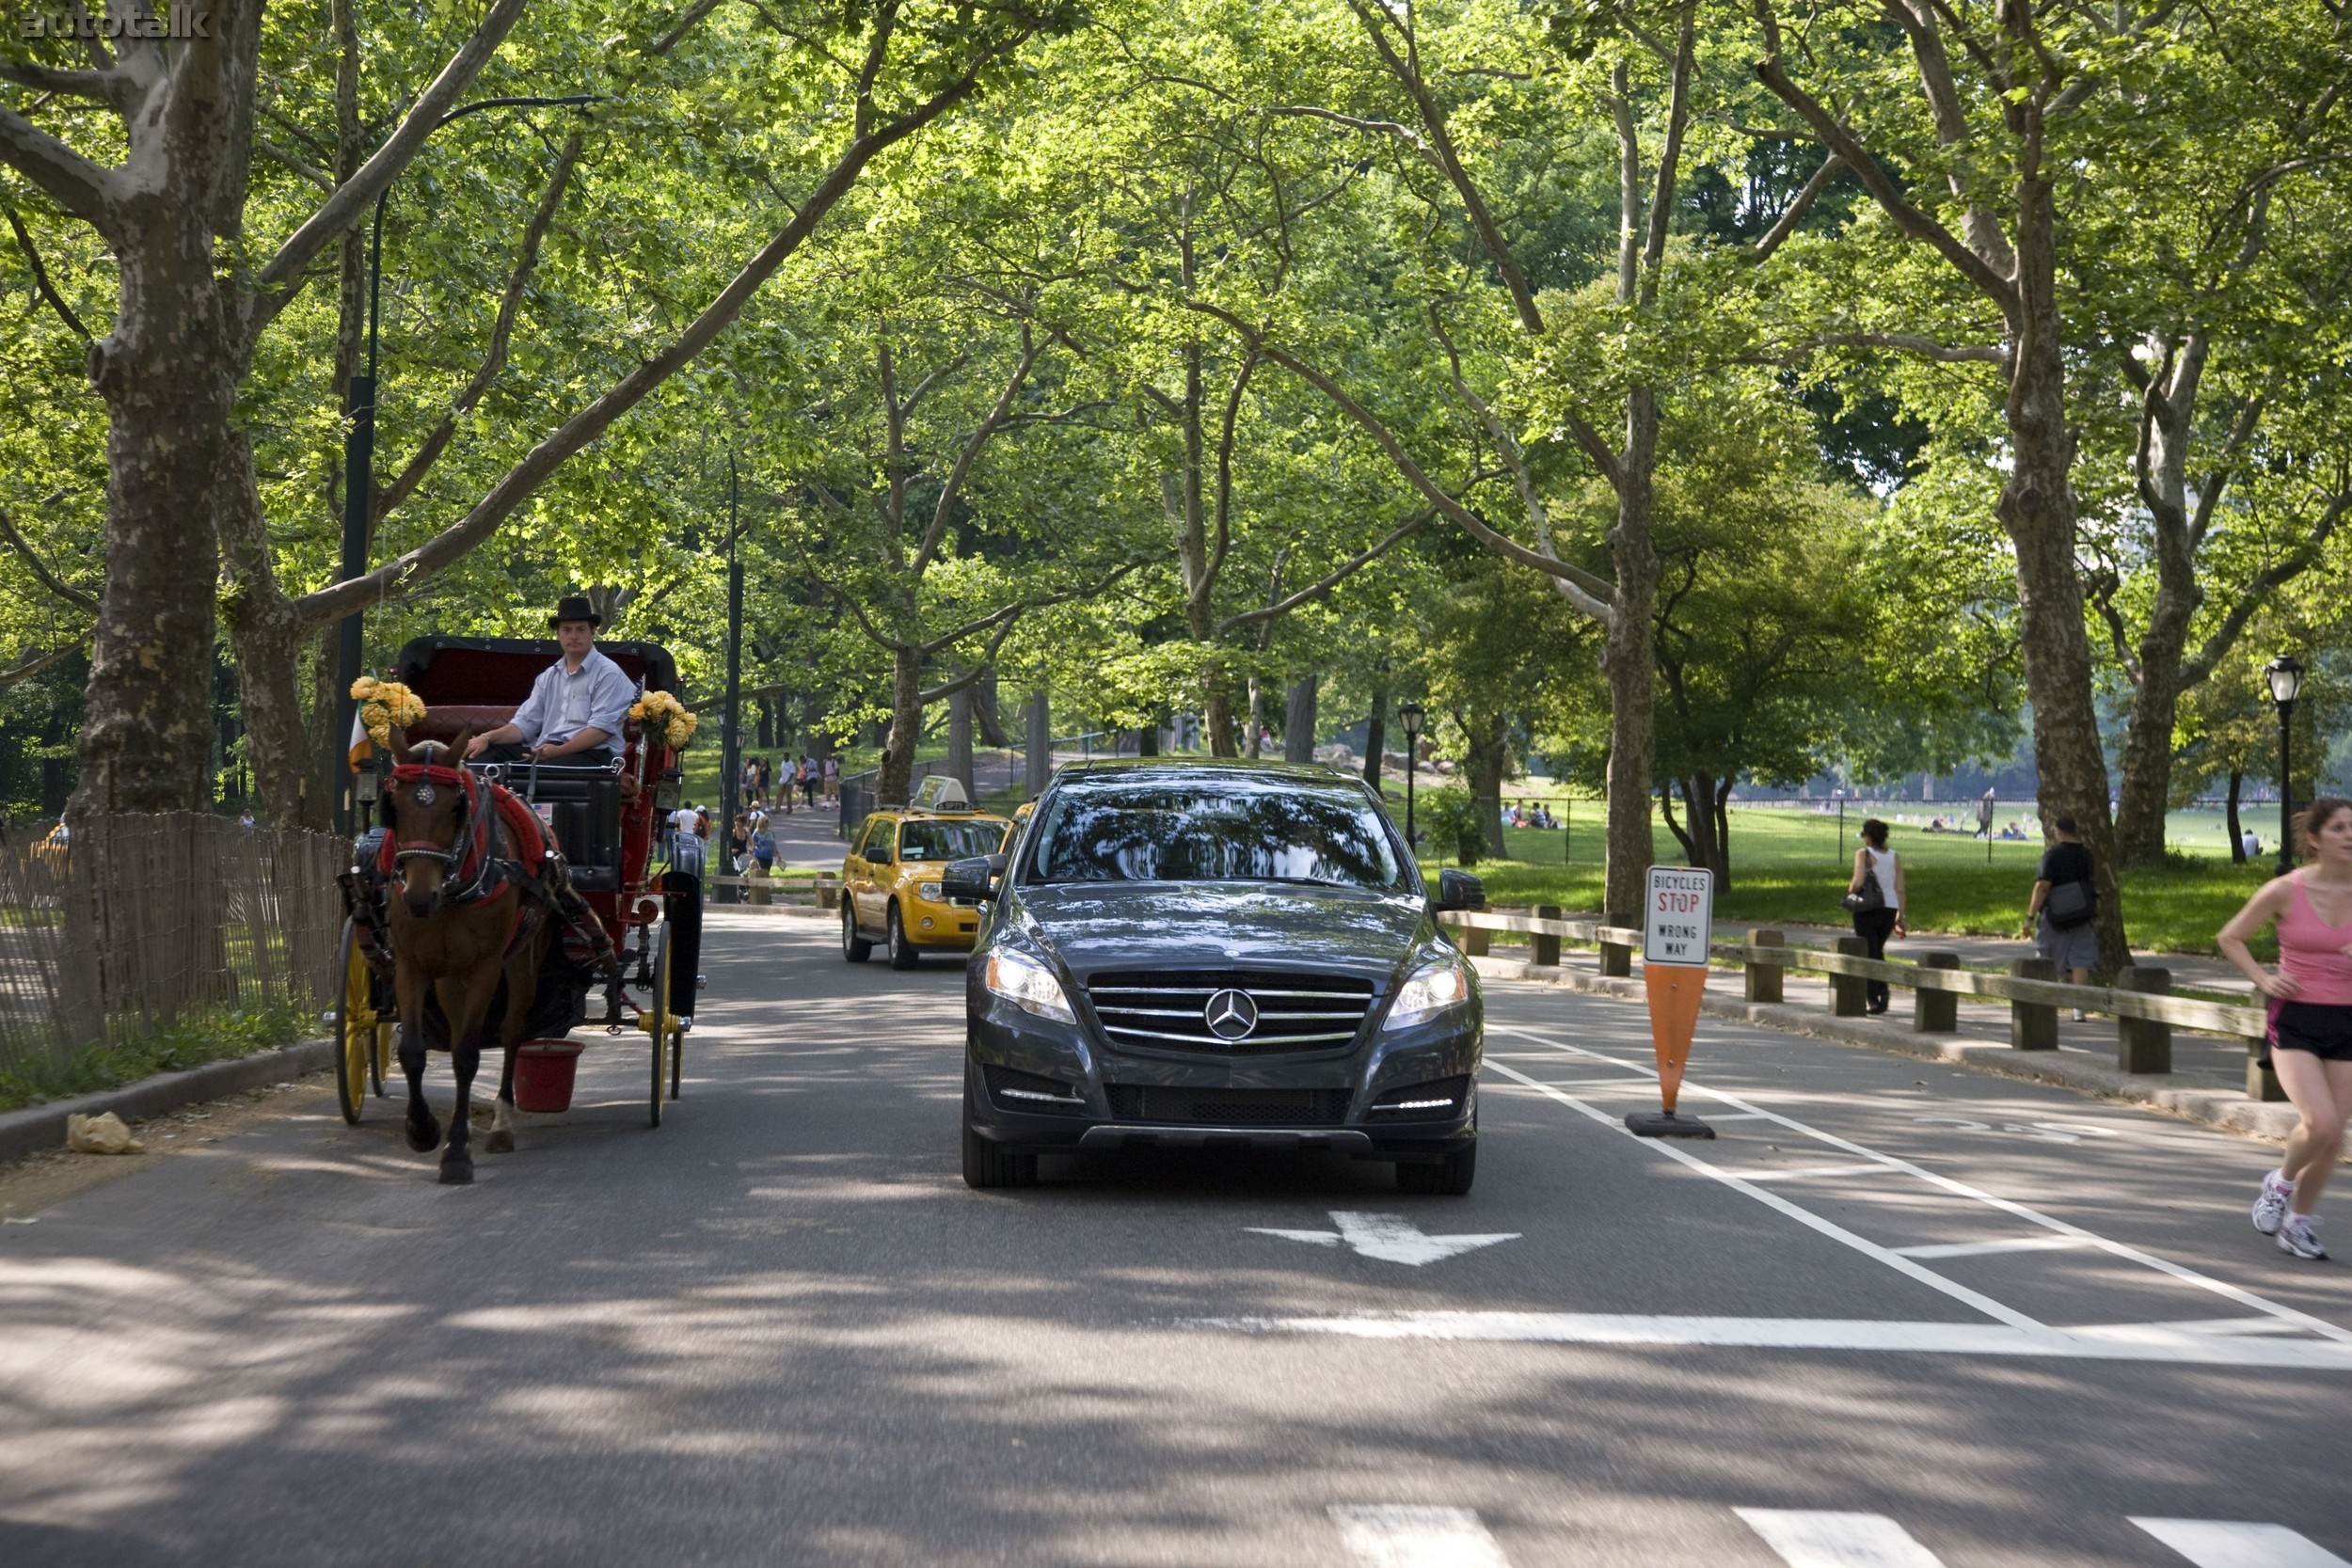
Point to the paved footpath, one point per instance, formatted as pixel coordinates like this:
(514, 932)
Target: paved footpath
(1896, 1315)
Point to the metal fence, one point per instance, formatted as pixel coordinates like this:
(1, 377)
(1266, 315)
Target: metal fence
(138, 920)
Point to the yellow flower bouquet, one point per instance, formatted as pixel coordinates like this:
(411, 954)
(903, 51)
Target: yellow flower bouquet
(386, 706)
(665, 715)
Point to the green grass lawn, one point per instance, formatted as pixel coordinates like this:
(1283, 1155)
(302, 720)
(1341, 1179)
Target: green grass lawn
(1791, 867)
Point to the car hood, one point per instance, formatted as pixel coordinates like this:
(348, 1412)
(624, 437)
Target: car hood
(1096, 926)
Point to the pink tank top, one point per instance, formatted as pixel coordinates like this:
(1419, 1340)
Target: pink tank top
(2311, 950)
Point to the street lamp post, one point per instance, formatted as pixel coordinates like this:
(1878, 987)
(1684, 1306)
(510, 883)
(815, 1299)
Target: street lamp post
(1408, 715)
(2285, 674)
(359, 461)
(731, 735)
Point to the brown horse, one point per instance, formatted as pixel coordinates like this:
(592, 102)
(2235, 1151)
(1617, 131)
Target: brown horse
(460, 922)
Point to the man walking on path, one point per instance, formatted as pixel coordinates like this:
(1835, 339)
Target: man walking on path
(2061, 913)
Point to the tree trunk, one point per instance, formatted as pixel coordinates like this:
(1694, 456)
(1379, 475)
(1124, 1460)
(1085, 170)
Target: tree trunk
(1298, 721)
(1722, 866)
(1628, 659)
(1250, 744)
(1040, 742)
(1375, 736)
(166, 374)
(269, 641)
(1487, 748)
(1217, 717)
(987, 715)
(2147, 784)
(959, 706)
(1674, 824)
(896, 779)
(2037, 509)
(2237, 832)
(1147, 740)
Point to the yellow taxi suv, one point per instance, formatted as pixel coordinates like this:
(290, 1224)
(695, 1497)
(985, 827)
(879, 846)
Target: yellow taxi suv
(890, 892)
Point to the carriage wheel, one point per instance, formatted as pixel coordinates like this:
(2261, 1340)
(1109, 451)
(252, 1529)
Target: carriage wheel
(380, 1065)
(353, 1023)
(659, 1021)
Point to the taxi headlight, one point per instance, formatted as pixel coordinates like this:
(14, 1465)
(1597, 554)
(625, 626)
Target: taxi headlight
(928, 891)
(1442, 982)
(1028, 984)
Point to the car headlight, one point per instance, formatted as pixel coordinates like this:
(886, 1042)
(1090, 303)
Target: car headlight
(928, 891)
(1442, 982)
(1028, 984)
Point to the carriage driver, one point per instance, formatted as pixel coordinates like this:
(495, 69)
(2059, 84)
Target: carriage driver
(577, 706)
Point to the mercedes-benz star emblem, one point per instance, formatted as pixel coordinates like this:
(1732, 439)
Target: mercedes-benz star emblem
(1231, 1015)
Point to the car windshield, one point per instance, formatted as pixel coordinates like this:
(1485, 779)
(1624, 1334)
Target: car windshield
(949, 841)
(1242, 830)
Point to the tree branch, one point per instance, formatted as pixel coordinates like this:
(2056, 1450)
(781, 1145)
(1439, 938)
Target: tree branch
(969, 453)
(1787, 223)
(452, 544)
(85, 603)
(33, 664)
(501, 333)
(1318, 589)
(70, 179)
(354, 196)
(2257, 593)
(40, 276)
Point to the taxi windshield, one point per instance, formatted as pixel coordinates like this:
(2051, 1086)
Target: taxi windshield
(1229, 832)
(926, 840)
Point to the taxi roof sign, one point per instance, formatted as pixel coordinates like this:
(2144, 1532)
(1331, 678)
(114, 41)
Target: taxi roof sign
(937, 792)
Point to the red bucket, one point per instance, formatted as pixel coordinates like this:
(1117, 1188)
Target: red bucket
(543, 1074)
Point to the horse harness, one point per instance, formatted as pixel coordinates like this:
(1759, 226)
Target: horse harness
(475, 872)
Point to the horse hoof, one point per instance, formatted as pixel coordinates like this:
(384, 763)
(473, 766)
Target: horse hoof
(424, 1137)
(500, 1142)
(457, 1174)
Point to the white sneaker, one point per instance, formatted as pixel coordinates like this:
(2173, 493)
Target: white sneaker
(2299, 1237)
(2270, 1208)
(2078, 1016)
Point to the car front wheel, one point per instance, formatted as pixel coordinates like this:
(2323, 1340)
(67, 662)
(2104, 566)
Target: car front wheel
(902, 953)
(988, 1164)
(1448, 1178)
(855, 948)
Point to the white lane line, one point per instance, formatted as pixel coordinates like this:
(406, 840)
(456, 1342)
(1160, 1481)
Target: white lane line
(2048, 1222)
(1980, 1249)
(2224, 1543)
(1798, 1173)
(2125, 1342)
(1807, 1539)
(1835, 1231)
(1408, 1535)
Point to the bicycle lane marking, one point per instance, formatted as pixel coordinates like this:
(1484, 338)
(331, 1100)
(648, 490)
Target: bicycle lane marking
(1895, 1163)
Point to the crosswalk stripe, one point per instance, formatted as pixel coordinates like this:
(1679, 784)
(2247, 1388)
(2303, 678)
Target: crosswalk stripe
(2225, 1544)
(1805, 1538)
(1411, 1535)
(1979, 1249)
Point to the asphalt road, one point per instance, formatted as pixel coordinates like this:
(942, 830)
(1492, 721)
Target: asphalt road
(1896, 1315)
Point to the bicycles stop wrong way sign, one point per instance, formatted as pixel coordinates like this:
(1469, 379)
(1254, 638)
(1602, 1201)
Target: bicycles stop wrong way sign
(1677, 921)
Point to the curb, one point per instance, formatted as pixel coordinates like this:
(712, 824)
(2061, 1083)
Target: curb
(2225, 1110)
(42, 1127)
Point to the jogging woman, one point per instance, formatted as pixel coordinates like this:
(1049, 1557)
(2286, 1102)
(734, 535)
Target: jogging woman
(1874, 859)
(2308, 1044)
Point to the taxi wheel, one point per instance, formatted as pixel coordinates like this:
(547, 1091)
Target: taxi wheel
(902, 953)
(854, 948)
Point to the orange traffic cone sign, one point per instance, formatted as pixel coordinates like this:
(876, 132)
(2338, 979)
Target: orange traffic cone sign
(1674, 974)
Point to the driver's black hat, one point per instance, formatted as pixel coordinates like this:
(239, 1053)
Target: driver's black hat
(575, 606)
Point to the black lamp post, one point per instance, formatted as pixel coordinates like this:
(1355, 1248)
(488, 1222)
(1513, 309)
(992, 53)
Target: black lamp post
(1408, 715)
(359, 460)
(2285, 674)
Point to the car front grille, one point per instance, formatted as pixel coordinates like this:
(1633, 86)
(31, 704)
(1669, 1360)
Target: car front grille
(1169, 1010)
(1159, 1103)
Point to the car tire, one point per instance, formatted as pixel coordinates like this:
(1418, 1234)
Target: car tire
(987, 1164)
(854, 948)
(1448, 1178)
(902, 953)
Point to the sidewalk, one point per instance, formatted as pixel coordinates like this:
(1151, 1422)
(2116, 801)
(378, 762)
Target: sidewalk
(2188, 969)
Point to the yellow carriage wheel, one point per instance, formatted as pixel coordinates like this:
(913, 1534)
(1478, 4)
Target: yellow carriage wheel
(658, 1020)
(353, 1024)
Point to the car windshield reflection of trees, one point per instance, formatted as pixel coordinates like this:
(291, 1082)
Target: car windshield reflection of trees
(1241, 836)
(949, 841)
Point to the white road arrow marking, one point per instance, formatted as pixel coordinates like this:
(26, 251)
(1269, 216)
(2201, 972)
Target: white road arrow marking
(1390, 1237)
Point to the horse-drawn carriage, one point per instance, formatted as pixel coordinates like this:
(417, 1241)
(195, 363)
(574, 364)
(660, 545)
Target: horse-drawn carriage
(615, 921)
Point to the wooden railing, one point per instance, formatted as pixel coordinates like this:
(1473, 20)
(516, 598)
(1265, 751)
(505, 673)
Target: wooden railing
(824, 890)
(2144, 1009)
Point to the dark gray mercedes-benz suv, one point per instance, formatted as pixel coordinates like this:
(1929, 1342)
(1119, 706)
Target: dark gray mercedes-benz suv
(1217, 955)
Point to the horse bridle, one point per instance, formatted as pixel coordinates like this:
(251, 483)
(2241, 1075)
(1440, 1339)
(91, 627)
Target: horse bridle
(454, 856)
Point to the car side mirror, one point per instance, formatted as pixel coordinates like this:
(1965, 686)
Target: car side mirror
(1459, 890)
(973, 879)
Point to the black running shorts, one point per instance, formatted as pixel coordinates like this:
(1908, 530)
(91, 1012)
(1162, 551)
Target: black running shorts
(2322, 1028)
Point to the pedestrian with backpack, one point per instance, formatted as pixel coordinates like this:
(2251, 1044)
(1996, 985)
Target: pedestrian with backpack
(1875, 897)
(2309, 1041)
(2061, 913)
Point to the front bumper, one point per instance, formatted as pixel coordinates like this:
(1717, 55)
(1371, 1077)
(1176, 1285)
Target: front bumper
(1033, 1057)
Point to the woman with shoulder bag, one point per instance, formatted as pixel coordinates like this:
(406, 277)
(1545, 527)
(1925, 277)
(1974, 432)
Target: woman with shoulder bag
(2308, 1043)
(1876, 898)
